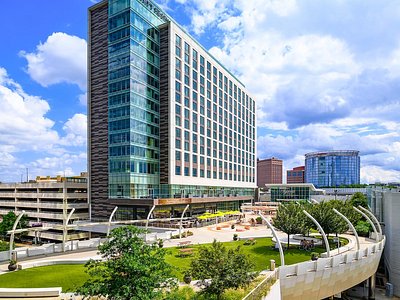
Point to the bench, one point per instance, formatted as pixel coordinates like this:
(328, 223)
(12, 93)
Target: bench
(185, 252)
(184, 244)
(39, 293)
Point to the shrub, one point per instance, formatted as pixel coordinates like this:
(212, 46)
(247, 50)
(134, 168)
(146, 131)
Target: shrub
(250, 242)
(259, 220)
(187, 278)
(184, 234)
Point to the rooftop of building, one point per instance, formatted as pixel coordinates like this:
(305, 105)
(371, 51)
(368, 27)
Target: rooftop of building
(333, 153)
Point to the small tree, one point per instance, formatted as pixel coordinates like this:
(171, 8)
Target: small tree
(226, 268)
(289, 219)
(130, 269)
(359, 199)
(8, 221)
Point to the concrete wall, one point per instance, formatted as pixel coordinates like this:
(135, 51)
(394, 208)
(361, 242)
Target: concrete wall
(328, 276)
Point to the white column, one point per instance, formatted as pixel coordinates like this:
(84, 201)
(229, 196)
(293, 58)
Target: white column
(351, 227)
(65, 229)
(110, 220)
(373, 217)
(147, 222)
(278, 241)
(13, 232)
(370, 222)
(180, 223)
(321, 231)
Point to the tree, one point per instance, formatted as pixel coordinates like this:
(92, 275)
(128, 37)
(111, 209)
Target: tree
(359, 199)
(226, 268)
(289, 219)
(129, 269)
(327, 218)
(8, 221)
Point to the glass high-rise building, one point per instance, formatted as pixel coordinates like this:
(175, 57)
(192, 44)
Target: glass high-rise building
(168, 124)
(333, 168)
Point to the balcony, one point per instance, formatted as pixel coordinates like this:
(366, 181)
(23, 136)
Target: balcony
(32, 204)
(57, 216)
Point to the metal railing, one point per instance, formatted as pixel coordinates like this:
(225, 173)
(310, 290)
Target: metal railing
(263, 288)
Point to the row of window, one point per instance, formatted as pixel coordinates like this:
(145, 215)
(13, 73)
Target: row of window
(127, 137)
(134, 125)
(185, 171)
(120, 166)
(133, 99)
(133, 151)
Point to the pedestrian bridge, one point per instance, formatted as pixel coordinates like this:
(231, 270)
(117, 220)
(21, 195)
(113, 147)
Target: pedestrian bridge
(329, 276)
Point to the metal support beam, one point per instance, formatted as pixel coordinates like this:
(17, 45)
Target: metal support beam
(377, 238)
(321, 231)
(278, 241)
(373, 217)
(351, 227)
(147, 221)
(65, 229)
(13, 232)
(110, 220)
(180, 223)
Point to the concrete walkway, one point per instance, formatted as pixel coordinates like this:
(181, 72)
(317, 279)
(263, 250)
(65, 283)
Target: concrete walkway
(202, 235)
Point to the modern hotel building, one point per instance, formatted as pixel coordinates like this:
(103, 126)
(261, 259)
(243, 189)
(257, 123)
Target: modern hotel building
(333, 168)
(168, 124)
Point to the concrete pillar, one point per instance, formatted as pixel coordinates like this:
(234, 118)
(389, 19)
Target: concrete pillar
(272, 265)
(371, 287)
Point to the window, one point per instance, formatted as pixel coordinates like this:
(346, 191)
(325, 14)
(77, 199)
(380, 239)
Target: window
(177, 155)
(177, 170)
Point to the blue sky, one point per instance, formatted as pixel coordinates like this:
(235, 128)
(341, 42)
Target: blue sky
(325, 75)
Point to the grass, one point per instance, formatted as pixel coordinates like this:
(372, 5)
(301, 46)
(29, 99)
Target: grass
(261, 253)
(69, 277)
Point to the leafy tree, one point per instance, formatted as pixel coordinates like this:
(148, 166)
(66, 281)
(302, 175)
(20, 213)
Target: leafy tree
(129, 269)
(226, 268)
(359, 199)
(363, 228)
(327, 218)
(290, 219)
(8, 221)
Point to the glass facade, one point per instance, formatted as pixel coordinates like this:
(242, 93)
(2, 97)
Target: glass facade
(287, 193)
(133, 99)
(211, 132)
(333, 168)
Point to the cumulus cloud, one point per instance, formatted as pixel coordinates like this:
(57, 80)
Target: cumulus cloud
(23, 118)
(61, 58)
(26, 132)
(76, 131)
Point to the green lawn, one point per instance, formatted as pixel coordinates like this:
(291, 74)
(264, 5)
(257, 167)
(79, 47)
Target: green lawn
(261, 253)
(69, 277)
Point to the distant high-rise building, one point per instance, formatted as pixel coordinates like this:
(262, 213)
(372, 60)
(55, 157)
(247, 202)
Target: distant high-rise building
(168, 124)
(333, 168)
(296, 175)
(269, 171)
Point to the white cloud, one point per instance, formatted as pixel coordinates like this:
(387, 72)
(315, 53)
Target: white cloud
(76, 131)
(61, 58)
(22, 117)
(83, 99)
(26, 133)
(374, 174)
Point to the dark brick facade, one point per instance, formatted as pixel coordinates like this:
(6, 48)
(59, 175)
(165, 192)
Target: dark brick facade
(164, 102)
(98, 111)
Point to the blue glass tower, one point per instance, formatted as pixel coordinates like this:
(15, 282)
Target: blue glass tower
(332, 168)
